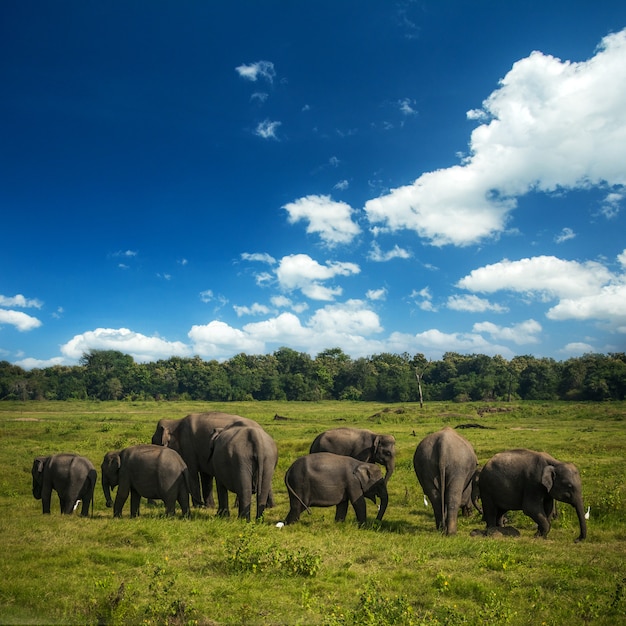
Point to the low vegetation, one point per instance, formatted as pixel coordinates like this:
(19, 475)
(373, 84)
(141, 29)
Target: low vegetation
(157, 570)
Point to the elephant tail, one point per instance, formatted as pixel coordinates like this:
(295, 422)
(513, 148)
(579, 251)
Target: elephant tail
(291, 490)
(442, 485)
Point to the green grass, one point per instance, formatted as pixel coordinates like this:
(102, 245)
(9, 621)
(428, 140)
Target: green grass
(205, 570)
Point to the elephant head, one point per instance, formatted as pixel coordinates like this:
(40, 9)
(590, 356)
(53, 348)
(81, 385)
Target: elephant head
(37, 472)
(110, 474)
(373, 485)
(562, 480)
(385, 453)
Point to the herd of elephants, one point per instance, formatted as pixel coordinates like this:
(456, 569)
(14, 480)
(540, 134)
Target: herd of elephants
(342, 467)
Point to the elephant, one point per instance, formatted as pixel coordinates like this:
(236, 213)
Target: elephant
(146, 470)
(190, 437)
(326, 479)
(360, 444)
(530, 481)
(243, 460)
(73, 477)
(446, 466)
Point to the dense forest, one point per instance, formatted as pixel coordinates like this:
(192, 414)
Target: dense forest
(290, 375)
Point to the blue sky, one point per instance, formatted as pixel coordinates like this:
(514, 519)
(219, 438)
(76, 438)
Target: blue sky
(210, 178)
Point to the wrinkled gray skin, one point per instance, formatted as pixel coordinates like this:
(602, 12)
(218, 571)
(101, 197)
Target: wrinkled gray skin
(360, 444)
(243, 460)
(190, 437)
(326, 479)
(73, 477)
(145, 470)
(529, 481)
(445, 465)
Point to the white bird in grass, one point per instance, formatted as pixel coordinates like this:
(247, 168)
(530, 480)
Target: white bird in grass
(587, 514)
(425, 501)
(76, 505)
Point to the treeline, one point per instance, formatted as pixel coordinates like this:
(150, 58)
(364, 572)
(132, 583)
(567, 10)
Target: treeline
(290, 375)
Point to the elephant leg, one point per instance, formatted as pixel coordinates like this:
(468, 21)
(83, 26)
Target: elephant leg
(183, 498)
(85, 506)
(341, 511)
(120, 501)
(207, 489)
(360, 510)
(538, 515)
(222, 499)
(295, 509)
(435, 500)
(135, 500)
(245, 503)
(46, 497)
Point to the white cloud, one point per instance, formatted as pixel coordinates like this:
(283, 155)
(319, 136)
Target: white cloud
(606, 305)
(611, 205)
(424, 299)
(523, 333)
(300, 271)
(473, 304)
(565, 235)
(261, 257)
(434, 343)
(543, 276)
(376, 294)
(20, 301)
(342, 185)
(20, 320)
(259, 69)
(550, 125)
(376, 254)
(255, 309)
(267, 129)
(577, 348)
(218, 340)
(406, 106)
(140, 347)
(30, 363)
(331, 220)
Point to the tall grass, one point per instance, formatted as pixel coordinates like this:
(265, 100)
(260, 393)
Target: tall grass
(154, 570)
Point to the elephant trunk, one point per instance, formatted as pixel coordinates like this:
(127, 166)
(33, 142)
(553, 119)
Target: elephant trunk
(581, 520)
(384, 501)
(106, 488)
(390, 466)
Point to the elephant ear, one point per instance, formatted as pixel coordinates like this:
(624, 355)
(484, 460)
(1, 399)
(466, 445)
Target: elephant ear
(547, 476)
(364, 476)
(211, 447)
(39, 463)
(166, 435)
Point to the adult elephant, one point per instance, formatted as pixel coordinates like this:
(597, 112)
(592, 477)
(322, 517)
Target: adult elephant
(146, 470)
(243, 460)
(359, 443)
(529, 481)
(326, 479)
(73, 477)
(190, 436)
(445, 465)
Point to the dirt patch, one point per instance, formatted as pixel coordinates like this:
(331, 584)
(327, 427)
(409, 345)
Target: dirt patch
(26, 419)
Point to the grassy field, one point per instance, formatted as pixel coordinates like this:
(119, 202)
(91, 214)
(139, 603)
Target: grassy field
(155, 570)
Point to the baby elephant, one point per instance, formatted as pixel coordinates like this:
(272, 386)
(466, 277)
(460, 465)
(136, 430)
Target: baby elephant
(529, 481)
(327, 479)
(146, 470)
(73, 477)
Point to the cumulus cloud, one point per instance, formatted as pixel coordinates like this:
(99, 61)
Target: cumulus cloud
(300, 271)
(376, 294)
(544, 276)
(218, 340)
(473, 304)
(257, 70)
(523, 333)
(20, 320)
(30, 363)
(255, 309)
(140, 347)
(331, 220)
(435, 343)
(550, 125)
